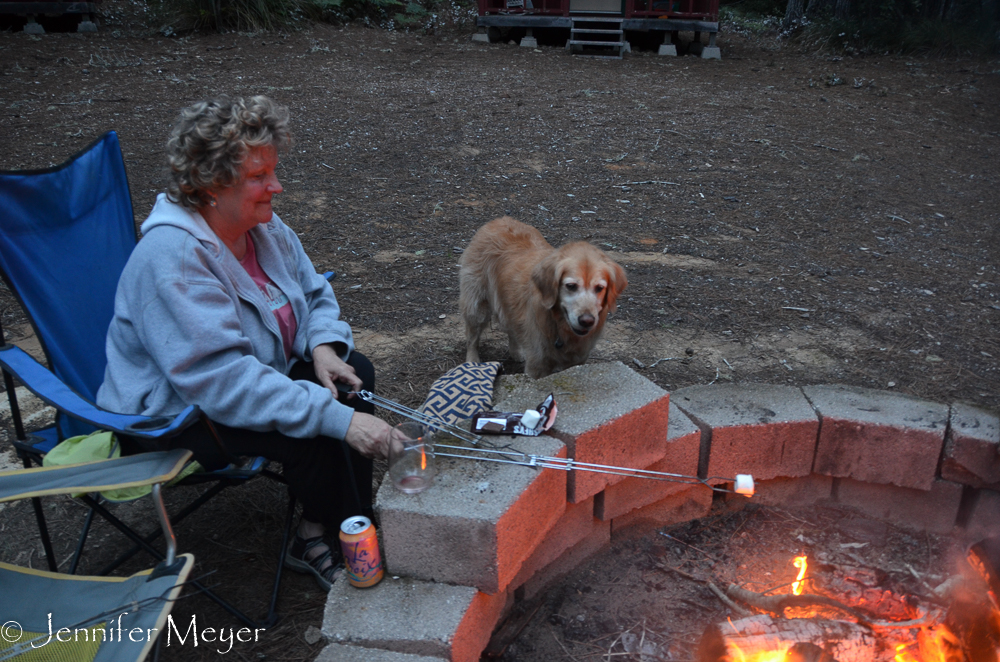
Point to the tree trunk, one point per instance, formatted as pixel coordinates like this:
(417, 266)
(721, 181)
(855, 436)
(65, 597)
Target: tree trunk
(842, 11)
(793, 14)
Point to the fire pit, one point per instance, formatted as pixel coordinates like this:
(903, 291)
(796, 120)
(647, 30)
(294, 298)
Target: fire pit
(770, 585)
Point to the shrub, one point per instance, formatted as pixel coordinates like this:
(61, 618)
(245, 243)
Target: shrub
(228, 15)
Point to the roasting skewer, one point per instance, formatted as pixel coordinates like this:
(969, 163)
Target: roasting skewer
(420, 417)
(742, 484)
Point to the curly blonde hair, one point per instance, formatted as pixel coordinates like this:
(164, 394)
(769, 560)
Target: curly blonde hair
(211, 140)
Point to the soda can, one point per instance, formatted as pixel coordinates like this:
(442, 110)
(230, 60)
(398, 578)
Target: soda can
(361, 556)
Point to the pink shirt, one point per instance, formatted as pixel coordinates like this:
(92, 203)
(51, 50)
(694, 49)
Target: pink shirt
(276, 299)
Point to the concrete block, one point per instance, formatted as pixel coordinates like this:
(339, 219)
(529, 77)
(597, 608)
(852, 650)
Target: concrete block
(793, 492)
(31, 27)
(668, 49)
(528, 41)
(576, 524)
(86, 26)
(341, 653)
(711, 53)
(985, 518)
(876, 436)
(758, 429)
(934, 510)
(568, 561)
(413, 617)
(607, 414)
(683, 444)
(481, 37)
(972, 447)
(685, 506)
(477, 523)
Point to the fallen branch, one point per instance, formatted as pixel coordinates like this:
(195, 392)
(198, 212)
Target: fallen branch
(737, 609)
(777, 604)
(740, 611)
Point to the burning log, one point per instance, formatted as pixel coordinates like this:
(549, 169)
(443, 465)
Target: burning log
(763, 639)
(777, 604)
(865, 589)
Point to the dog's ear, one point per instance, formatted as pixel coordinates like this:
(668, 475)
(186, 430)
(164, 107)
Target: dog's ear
(546, 276)
(617, 281)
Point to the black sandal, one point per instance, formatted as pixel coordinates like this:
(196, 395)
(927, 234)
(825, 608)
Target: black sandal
(298, 559)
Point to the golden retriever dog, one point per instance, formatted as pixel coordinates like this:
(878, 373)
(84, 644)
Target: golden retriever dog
(552, 303)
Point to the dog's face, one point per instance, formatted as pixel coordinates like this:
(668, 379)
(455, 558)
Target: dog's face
(583, 282)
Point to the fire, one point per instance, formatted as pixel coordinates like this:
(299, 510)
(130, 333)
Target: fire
(932, 645)
(798, 585)
(776, 655)
(423, 458)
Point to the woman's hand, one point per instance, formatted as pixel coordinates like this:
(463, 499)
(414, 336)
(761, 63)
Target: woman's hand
(330, 368)
(369, 435)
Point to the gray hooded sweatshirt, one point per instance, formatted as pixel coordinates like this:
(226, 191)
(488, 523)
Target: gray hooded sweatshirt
(192, 328)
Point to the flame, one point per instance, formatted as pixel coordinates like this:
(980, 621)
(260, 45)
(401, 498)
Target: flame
(798, 585)
(777, 655)
(423, 458)
(932, 645)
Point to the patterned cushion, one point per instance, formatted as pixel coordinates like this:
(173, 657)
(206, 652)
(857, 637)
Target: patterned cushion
(462, 391)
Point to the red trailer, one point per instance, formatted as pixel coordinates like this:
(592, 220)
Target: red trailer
(602, 26)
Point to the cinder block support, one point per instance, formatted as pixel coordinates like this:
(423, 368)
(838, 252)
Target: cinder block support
(934, 510)
(690, 504)
(877, 436)
(528, 40)
(763, 430)
(33, 27)
(972, 447)
(477, 523)
(683, 444)
(711, 52)
(481, 37)
(608, 414)
(413, 617)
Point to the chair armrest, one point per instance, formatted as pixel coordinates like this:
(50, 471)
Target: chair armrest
(50, 389)
(117, 473)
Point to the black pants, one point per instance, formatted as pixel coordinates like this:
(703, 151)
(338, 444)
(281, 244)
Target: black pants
(331, 479)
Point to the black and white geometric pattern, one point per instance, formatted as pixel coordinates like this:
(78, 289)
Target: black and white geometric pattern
(462, 391)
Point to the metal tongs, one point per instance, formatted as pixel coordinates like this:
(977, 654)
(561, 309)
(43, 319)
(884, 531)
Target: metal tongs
(742, 484)
(420, 417)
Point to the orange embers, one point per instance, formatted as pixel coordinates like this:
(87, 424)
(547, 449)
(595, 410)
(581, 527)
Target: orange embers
(423, 457)
(936, 644)
(798, 585)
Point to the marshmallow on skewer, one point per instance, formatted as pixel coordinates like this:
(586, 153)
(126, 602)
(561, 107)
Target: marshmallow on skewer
(744, 484)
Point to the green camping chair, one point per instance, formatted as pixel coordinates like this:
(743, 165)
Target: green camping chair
(53, 617)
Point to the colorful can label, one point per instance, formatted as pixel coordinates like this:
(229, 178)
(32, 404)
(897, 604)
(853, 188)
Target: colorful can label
(361, 556)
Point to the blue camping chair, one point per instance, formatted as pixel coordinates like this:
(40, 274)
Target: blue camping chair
(66, 233)
(37, 604)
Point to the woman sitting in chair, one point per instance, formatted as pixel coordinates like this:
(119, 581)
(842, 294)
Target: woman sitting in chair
(220, 307)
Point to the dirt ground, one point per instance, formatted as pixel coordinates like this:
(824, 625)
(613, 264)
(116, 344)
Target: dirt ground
(783, 217)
